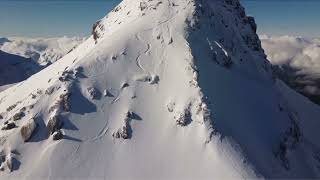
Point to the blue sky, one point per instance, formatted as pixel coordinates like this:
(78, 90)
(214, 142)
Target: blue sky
(75, 17)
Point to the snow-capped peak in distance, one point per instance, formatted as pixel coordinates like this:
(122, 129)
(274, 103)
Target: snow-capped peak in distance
(176, 89)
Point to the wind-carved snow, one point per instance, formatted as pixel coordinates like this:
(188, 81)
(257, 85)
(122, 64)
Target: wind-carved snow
(151, 90)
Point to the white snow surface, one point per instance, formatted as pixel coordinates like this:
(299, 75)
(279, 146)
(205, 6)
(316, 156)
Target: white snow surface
(41, 50)
(189, 82)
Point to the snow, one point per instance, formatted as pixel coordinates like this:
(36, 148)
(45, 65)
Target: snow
(187, 107)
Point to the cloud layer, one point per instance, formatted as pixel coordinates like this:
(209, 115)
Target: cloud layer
(41, 50)
(297, 61)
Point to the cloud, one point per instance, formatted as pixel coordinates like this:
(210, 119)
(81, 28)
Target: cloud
(41, 50)
(297, 62)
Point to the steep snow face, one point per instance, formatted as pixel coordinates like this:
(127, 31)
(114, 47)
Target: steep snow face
(15, 68)
(44, 51)
(174, 89)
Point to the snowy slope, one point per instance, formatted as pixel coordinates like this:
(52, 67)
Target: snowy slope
(41, 50)
(176, 89)
(15, 68)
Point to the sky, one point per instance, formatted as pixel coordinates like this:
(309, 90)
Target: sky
(50, 18)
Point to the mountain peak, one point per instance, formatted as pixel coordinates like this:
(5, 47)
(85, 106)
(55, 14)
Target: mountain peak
(167, 89)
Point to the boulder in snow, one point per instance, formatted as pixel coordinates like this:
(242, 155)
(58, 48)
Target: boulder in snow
(65, 101)
(54, 124)
(7, 161)
(50, 90)
(57, 135)
(94, 93)
(28, 129)
(8, 125)
(183, 118)
(11, 107)
(123, 132)
(18, 116)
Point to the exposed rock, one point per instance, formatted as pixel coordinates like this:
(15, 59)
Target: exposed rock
(79, 72)
(49, 91)
(54, 107)
(171, 41)
(23, 109)
(31, 106)
(6, 161)
(170, 106)
(152, 79)
(94, 93)
(2, 167)
(27, 130)
(289, 142)
(65, 101)
(95, 30)
(105, 93)
(54, 124)
(18, 116)
(66, 76)
(183, 118)
(33, 96)
(57, 135)
(252, 23)
(124, 131)
(9, 161)
(11, 107)
(143, 6)
(124, 85)
(8, 125)
(2, 155)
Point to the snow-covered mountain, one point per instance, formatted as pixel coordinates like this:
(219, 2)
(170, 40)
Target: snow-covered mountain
(44, 51)
(177, 89)
(297, 62)
(15, 68)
